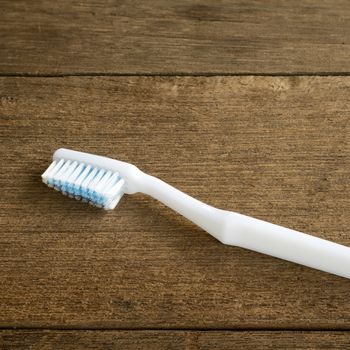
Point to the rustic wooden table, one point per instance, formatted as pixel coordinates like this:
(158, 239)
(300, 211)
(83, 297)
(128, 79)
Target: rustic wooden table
(244, 105)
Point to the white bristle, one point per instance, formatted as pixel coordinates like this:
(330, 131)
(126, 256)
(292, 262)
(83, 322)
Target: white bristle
(53, 171)
(48, 170)
(82, 176)
(100, 187)
(89, 178)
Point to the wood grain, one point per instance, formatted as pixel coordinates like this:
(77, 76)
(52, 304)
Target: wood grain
(181, 37)
(271, 147)
(184, 340)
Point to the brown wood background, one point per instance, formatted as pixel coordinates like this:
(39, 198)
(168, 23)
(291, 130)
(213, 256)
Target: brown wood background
(160, 84)
(183, 36)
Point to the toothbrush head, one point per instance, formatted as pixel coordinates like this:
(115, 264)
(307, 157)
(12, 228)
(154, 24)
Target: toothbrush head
(89, 178)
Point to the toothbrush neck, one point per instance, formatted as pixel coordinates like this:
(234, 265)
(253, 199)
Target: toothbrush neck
(205, 216)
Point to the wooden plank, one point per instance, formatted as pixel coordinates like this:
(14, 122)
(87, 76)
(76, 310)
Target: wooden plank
(191, 340)
(276, 148)
(164, 36)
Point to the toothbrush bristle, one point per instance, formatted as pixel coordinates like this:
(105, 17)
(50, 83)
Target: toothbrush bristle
(99, 187)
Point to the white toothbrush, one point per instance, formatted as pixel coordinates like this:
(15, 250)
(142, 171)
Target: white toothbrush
(102, 181)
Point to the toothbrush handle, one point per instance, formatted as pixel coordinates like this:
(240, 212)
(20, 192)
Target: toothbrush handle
(246, 232)
(287, 244)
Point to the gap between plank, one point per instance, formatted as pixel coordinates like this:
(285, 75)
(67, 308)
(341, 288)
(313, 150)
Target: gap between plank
(178, 74)
(141, 329)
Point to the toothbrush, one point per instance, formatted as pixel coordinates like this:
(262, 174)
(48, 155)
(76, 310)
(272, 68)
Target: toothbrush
(102, 182)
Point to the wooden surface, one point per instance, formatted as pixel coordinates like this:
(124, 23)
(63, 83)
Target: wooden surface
(175, 340)
(183, 36)
(274, 148)
(106, 77)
